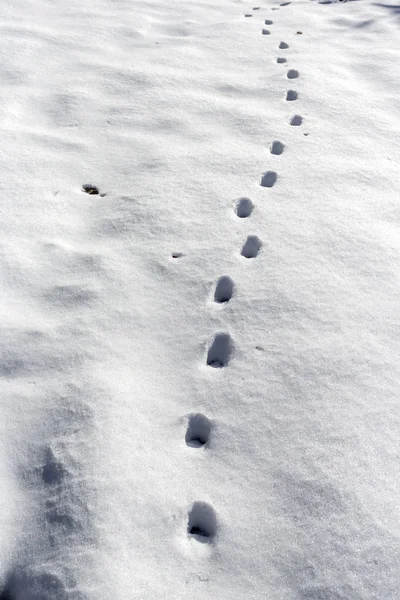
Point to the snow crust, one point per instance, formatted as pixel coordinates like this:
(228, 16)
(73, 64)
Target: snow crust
(199, 365)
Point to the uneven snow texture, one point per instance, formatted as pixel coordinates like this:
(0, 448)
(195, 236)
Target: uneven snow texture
(199, 365)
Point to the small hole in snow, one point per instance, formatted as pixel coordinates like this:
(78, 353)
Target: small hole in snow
(90, 189)
(291, 95)
(223, 290)
(220, 351)
(251, 247)
(198, 431)
(268, 179)
(244, 208)
(277, 148)
(202, 522)
(296, 120)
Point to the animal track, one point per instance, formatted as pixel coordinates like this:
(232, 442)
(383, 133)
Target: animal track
(277, 148)
(53, 472)
(266, 32)
(198, 431)
(202, 522)
(34, 584)
(177, 254)
(223, 290)
(90, 189)
(283, 46)
(296, 120)
(220, 351)
(268, 22)
(61, 518)
(291, 95)
(281, 59)
(244, 208)
(268, 179)
(292, 74)
(251, 247)
(285, 3)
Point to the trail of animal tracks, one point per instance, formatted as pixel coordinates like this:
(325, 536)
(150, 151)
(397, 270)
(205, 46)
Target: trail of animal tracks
(199, 263)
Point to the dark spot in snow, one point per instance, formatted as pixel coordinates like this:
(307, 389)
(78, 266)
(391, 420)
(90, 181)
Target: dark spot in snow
(90, 189)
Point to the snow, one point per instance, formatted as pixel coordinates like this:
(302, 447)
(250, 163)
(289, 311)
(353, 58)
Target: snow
(200, 364)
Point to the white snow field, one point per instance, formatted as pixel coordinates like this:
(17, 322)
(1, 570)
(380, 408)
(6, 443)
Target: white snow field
(200, 365)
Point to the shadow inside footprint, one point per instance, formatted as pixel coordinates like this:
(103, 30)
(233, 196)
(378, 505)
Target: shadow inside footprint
(268, 179)
(296, 121)
(293, 74)
(198, 431)
(291, 95)
(26, 584)
(6, 594)
(223, 290)
(283, 46)
(202, 522)
(244, 208)
(281, 60)
(251, 247)
(277, 148)
(219, 353)
(53, 472)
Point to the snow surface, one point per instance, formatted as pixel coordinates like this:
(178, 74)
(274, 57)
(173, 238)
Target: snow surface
(200, 369)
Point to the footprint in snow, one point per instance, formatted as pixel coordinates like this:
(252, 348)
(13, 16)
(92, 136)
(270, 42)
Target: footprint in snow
(220, 351)
(30, 583)
(244, 208)
(296, 121)
(251, 247)
(202, 522)
(268, 179)
(53, 472)
(198, 431)
(283, 46)
(92, 190)
(277, 148)
(266, 32)
(223, 290)
(292, 74)
(291, 95)
(281, 60)
(268, 22)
